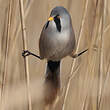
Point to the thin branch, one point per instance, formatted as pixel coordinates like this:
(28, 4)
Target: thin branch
(25, 48)
(107, 28)
(101, 52)
(84, 103)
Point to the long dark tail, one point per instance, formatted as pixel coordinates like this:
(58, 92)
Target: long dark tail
(52, 81)
(53, 73)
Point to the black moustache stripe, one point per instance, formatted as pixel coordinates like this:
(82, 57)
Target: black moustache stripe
(47, 25)
(58, 24)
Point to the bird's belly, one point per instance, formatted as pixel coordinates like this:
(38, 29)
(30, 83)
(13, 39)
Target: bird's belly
(58, 47)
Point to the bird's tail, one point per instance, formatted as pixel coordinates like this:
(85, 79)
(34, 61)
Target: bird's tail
(52, 81)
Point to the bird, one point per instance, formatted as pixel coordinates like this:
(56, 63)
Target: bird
(57, 40)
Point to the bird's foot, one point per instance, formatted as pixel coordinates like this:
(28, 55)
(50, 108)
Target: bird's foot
(26, 53)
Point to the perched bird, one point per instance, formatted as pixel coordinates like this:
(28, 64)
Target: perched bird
(57, 40)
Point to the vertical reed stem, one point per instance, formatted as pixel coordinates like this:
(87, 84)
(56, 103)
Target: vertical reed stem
(25, 48)
(6, 55)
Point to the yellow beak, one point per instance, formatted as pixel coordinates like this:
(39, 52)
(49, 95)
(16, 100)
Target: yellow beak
(50, 19)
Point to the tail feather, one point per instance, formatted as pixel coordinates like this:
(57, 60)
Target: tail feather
(52, 81)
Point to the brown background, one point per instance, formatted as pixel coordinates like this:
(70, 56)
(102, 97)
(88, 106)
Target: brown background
(85, 80)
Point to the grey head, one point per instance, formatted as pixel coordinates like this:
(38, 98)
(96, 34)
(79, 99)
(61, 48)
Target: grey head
(62, 18)
(57, 38)
(63, 14)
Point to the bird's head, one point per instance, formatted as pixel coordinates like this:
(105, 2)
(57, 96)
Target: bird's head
(60, 18)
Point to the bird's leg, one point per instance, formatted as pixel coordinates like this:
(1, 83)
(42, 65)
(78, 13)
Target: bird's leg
(27, 53)
(79, 54)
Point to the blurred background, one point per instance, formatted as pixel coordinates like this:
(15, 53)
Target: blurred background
(84, 80)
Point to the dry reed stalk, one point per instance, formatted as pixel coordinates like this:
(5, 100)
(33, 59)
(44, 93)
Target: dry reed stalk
(101, 52)
(18, 29)
(107, 28)
(104, 17)
(105, 84)
(25, 48)
(71, 76)
(6, 54)
(100, 62)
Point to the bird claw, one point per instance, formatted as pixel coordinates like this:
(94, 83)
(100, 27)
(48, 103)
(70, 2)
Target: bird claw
(25, 53)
